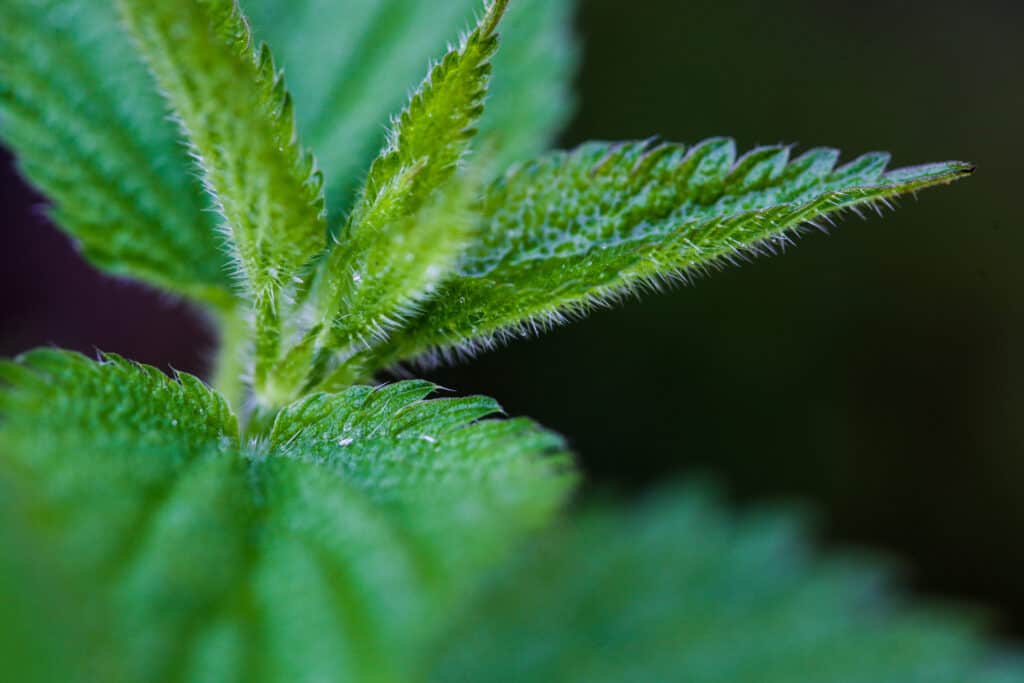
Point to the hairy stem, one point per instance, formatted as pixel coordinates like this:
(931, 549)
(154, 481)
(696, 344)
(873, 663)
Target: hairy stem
(229, 364)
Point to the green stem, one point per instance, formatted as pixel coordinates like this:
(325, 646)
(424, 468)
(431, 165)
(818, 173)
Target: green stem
(494, 15)
(229, 366)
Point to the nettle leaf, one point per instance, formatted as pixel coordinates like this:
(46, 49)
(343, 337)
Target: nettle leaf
(393, 251)
(402, 268)
(676, 591)
(239, 118)
(77, 107)
(350, 65)
(331, 549)
(33, 600)
(578, 228)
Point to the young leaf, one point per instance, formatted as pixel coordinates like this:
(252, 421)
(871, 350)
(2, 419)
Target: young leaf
(331, 549)
(239, 118)
(78, 109)
(579, 228)
(349, 65)
(676, 591)
(391, 251)
(401, 267)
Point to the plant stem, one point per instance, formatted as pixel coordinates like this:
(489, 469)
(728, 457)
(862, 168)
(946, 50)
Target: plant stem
(229, 365)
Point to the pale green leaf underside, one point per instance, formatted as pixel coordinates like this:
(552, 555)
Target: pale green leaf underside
(351, 64)
(239, 118)
(574, 228)
(79, 110)
(676, 591)
(240, 122)
(331, 550)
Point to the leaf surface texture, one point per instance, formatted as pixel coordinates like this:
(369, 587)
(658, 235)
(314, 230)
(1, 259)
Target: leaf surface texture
(319, 552)
(676, 590)
(79, 109)
(573, 229)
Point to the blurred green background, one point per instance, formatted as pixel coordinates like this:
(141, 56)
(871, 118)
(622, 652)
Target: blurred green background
(873, 373)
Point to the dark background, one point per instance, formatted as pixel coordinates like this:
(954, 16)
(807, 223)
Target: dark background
(874, 373)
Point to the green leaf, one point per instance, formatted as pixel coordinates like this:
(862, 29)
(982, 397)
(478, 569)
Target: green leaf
(33, 600)
(434, 130)
(331, 548)
(400, 267)
(391, 251)
(584, 227)
(235, 109)
(676, 591)
(78, 109)
(350, 65)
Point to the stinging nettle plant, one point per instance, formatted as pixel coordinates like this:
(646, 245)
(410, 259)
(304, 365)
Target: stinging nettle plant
(293, 522)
